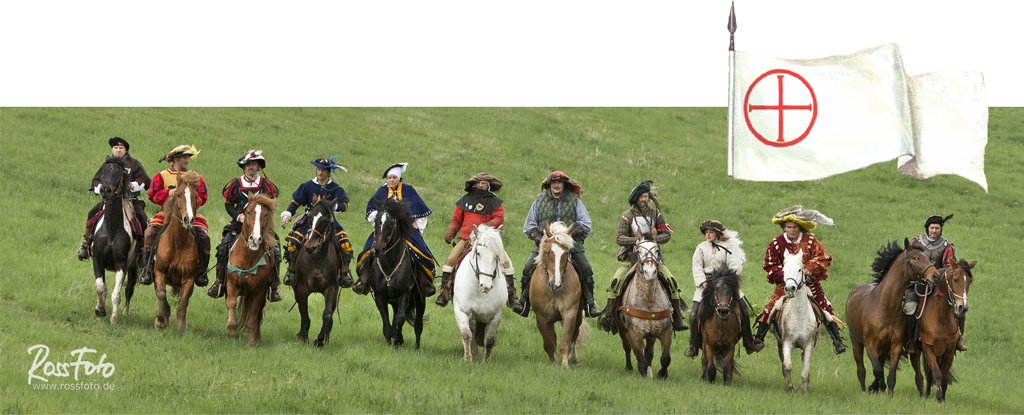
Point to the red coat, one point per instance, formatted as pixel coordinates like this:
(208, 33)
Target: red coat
(158, 187)
(463, 221)
(816, 260)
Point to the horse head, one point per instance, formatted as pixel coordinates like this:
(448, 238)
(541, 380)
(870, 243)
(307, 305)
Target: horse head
(114, 178)
(487, 250)
(322, 226)
(919, 266)
(793, 271)
(257, 219)
(956, 281)
(392, 224)
(723, 286)
(649, 255)
(554, 256)
(184, 199)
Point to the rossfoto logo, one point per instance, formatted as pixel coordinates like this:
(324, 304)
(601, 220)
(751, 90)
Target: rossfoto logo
(80, 366)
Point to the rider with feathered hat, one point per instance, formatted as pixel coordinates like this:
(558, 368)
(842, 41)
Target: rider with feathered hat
(236, 198)
(942, 253)
(138, 181)
(308, 193)
(796, 222)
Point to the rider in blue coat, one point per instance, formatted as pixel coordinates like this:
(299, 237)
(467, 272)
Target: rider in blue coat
(308, 193)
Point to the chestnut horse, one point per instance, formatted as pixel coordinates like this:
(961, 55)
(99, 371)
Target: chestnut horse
(646, 314)
(939, 329)
(874, 312)
(177, 255)
(114, 244)
(316, 269)
(249, 266)
(392, 273)
(555, 293)
(720, 325)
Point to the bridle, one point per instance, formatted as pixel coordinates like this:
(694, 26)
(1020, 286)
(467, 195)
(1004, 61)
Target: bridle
(920, 274)
(177, 214)
(329, 220)
(476, 265)
(953, 295)
(376, 237)
(119, 191)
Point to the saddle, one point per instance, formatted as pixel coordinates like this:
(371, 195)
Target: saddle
(614, 312)
(133, 222)
(776, 315)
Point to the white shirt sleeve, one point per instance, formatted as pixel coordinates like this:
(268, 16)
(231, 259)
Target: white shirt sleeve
(286, 215)
(96, 189)
(421, 223)
(370, 218)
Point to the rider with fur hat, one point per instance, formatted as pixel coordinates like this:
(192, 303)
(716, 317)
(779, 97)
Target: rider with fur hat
(480, 206)
(308, 193)
(559, 201)
(641, 222)
(236, 198)
(942, 253)
(160, 189)
(139, 181)
(721, 248)
(796, 224)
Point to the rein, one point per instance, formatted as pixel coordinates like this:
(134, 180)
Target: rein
(476, 265)
(387, 276)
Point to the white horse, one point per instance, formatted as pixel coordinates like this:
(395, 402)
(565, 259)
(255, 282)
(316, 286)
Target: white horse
(480, 291)
(797, 326)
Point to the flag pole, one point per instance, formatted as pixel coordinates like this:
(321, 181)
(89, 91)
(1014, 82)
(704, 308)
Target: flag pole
(732, 78)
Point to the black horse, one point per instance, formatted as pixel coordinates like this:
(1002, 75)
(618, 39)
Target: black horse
(316, 268)
(114, 245)
(392, 272)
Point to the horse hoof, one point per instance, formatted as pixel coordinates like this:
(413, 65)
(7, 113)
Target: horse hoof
(318, 343)
(100, 313)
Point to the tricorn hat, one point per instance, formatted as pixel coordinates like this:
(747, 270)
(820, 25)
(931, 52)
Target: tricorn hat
(328, 163)
(253, 155)
(639, 190)
(807, 219)
(114, 141)
(483, 177)
(713, 225)
(557, 176)
(936, 219)
(182, 150)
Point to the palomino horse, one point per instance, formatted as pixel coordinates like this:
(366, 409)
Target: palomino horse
(114, 245)
(874, 312)
(177, 255)
(939, 330)
(316, 269)
(797, 326)
(249, 267)
(720, 325)
(392, 273)
(646, 314)
(555, 293)
(480, 292)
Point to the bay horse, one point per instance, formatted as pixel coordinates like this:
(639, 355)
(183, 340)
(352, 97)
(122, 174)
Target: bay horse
(392, 273)
(720, 325)
(555, 293)
(480, 292)
(797, 325)
(250, 263)
(646, 314)
(115, 245)
(874, 311)
(177, 255)
(316, 269)
(939, 329)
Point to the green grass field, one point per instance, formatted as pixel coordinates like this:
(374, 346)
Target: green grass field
(48, 156)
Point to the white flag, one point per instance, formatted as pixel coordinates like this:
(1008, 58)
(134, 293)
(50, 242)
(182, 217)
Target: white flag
(809, 119)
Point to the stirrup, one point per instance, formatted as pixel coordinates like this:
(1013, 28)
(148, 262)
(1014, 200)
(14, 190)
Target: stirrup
(274, 295)
(960, 345)
(83, 253)
(691, 352)
(289, 278)
(758, 345)
(523, 308)
(443, 297)
(214, 291)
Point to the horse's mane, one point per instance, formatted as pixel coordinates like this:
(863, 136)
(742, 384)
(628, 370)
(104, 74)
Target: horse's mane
(966, 266)
(190, 179)
(886, 257)
(120, 161)
(722, 275)
(401, 214)
(560, 233)
(490, 238)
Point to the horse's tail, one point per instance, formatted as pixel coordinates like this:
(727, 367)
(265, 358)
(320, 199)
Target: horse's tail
(478, 334)
(174, 291)
(584, 333)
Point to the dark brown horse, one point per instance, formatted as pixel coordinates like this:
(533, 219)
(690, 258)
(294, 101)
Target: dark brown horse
(874, 312)
(250, 263)
(177, 256)
(114, 244)
(646, 314)
(939, 329)
(555, 293)
(392, 273)
(720, 325)
(316, 269)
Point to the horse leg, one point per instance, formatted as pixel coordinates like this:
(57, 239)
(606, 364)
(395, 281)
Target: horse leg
(573, 357)
(649, 357)
(330, 304)
(627, 349)
(417, 321)
(894, 360)
(728, 365)
(915, 361)
(100, 287)
(257, 301)
(944, 366)
(708, 362)
(163, 310)
(231, 302)
(186, 294)
(491, 335)
(934, 371)
(858, 357)
(302, 300)
(636, 344)
(787, 364)
(129, 288)
(877, 370)
(382, 308)
(466, 334)
(547, 332)
(401, 314)
(115, 296)
(570, 328)
(805, 374)
(666, 355)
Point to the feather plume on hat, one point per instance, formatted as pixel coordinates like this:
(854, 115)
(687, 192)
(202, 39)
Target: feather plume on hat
(807, 219)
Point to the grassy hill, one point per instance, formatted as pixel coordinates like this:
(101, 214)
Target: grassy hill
(48, 156)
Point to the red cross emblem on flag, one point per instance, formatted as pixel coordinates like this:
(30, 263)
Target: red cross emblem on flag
(789, 118)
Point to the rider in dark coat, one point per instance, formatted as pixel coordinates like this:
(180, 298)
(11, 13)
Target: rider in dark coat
(139, 181)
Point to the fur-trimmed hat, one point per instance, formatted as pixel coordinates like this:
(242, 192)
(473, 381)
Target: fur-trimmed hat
(713, 225)
(114, 141)
(253, 155)
(557, 176)
(483, 177)
(639, 190)
(328, 163)
(182, 150)
(936, 219)
(398, 168)
(807, 219)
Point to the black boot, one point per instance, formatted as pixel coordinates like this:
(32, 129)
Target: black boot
(86, 250)
(762, 330)
(678, 322)
(513, 299)
(696, 342)
(910, 337)
(204, 262)
(960, 345)
(606, 322)
(274, 281)
(446, 289)
(590, 310)
(215, 290)
(289, 275)
(361, 287)
(748, 338)
(523, 308)
(145, 264)
(837, 340)
(426, 283)
(344, 273)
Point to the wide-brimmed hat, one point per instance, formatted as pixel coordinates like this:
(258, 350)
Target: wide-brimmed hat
(639, 190)
(182, 150)
(114, 141)
(483, 177)
(557, 176)
(936, 219)
(253, 155)
(328, 163)
(398, 168)
(713, 225)
(807, 219)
